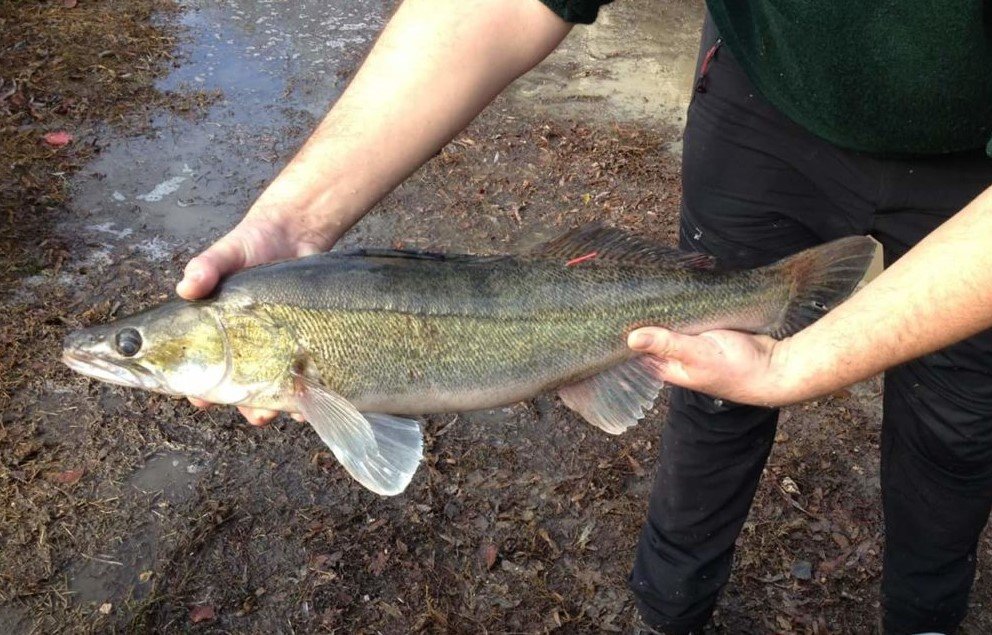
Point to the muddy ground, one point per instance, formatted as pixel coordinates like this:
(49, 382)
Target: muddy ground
(124, 511)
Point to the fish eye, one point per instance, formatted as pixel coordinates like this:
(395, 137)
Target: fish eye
(128, 342)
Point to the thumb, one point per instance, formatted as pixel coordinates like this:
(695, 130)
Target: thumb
(656, 341)
(202, 272)
(678, 350)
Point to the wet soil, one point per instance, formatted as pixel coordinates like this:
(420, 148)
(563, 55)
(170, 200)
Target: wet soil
(126, 511)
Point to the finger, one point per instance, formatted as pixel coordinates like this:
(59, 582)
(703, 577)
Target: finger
(202, 272)
(683, 358)
(200, 403)
(297, 417)
(258, 416)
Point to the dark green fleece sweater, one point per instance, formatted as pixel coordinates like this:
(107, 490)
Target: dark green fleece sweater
(883, 76)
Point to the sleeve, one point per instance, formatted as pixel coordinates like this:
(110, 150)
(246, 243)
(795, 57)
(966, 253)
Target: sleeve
(578, 11)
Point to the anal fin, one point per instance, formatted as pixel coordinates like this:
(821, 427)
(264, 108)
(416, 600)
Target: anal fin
(618, 397)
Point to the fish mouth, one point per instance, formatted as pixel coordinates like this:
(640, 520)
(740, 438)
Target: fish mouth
(108, 371)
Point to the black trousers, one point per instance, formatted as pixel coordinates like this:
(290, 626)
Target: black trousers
(758, 187)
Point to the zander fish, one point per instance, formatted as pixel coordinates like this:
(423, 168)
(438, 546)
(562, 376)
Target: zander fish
(355, 340)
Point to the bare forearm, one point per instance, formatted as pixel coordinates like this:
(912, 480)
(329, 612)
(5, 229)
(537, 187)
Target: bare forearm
(437, 64)
(940, 292)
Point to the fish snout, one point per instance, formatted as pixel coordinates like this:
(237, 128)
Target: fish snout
(82, 340)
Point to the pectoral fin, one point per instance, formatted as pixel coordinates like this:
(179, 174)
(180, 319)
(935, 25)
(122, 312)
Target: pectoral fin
(618, 397)
(380, 451)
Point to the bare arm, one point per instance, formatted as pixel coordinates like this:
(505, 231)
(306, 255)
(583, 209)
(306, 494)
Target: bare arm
(939, 293)
(437, 64)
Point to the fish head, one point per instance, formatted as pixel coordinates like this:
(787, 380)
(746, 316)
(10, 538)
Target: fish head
(177, 348)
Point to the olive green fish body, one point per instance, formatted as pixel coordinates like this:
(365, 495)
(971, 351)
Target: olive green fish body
(413, 334)
(354, 340)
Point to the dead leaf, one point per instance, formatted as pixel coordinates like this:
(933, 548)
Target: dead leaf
(543, 533)
(841, 540)
(202, 613)
(57, 139)
(789, 486)
(636, 466)
(145, 576)
(784, 623)
(69, 477)
(379, 563)
(489, 554)
(70, 4)
(106, 608)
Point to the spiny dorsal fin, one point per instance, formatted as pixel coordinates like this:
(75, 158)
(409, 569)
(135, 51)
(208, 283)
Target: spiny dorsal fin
(610, 243)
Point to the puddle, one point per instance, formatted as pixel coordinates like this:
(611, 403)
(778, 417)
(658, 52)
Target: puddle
(635, 63)
(278, 66)
(171, 474)
(114, 574)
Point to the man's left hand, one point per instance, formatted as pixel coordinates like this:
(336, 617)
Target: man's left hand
(727, 364)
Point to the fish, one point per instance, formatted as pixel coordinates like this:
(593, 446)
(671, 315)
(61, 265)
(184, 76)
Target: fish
(362, 342)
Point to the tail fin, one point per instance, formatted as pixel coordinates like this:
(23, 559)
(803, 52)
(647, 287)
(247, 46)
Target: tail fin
(821, 278)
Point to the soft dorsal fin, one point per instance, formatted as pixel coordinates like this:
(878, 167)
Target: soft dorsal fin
(599, 242)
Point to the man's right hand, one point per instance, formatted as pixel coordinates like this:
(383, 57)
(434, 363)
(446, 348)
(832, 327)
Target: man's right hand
(252, 242)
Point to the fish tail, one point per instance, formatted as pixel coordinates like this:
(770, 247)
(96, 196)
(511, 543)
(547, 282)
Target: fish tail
(820, 278)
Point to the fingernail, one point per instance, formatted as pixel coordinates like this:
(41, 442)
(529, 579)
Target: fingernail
(640, 340)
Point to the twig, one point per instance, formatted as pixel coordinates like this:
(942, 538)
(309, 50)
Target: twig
(446, 427)
(113, 562)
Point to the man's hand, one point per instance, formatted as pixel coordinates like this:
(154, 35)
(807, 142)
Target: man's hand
(252, 242)
(726, 364)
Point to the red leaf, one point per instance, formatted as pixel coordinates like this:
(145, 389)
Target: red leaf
(69, 477)
(378, 563)
(58, 139)
(489, 554)
(202, 613)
